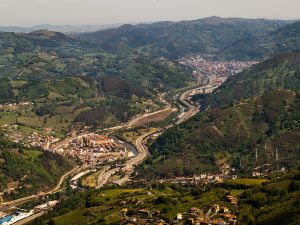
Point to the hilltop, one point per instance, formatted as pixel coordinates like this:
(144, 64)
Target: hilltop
(57, 28)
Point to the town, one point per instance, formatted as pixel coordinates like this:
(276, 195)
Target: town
(218, 71)
(92, 149)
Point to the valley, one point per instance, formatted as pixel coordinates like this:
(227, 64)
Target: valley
(190, 122)
(94, 141)
(110, 172)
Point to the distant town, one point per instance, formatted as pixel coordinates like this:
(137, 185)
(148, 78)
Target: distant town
(207, 66)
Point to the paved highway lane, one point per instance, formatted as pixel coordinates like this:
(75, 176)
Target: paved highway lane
(104, 177)
(139, 143)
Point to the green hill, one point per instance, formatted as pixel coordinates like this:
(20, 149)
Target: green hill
(41, 54)
(44, 55)
(173, 40)
(59, 102)
(67, 79)
(25, 171)
(260, 201)
(255, 108)
(283, 71)
(282, 40)
(217, 136)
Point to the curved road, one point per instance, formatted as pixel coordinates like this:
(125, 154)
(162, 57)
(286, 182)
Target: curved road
(57, 188)
(139, 143)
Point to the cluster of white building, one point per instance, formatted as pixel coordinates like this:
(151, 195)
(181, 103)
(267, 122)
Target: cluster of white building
(10, 219)
(201, 179)
(14, 106)
(35, 139)
(217, 68)
(43, 141)
(92, 149)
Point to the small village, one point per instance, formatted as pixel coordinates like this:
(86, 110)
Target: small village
(217, 214)
(15, 106)
(201, 179)
(43, 139)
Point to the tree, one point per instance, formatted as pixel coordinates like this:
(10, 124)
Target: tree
(51, 222)
(162, 200)
(293, 186)
(283, 193)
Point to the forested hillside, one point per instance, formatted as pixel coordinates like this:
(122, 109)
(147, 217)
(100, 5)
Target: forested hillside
(44, 55)
(283, 71)
(231, 135)
(213, 35)
(284, 39)
(252, 110)
(68, 80)
(25, 171)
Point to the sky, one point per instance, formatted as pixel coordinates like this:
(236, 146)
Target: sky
(99, 12)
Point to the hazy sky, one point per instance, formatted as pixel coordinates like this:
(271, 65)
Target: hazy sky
(96, 12)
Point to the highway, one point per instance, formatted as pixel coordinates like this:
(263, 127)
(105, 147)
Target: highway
(129, 165)
(58, 187)
(143, 152)
(191, 109)
(104, 177)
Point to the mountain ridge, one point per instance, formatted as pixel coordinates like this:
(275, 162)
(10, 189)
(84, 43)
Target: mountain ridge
(175, 39)
(58, 28)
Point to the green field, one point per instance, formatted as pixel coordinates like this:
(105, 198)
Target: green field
(72, 218)
(267, 203)
(279, 185)
(7, 118)
(247, 182)
(175, 202)
(91, 180)
(33, 154)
